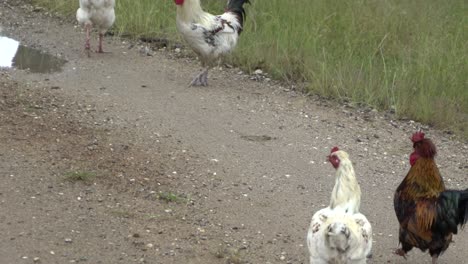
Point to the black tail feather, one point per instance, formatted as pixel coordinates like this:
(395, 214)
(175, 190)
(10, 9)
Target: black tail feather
(463, 208)
(237, 7)
(452, 210)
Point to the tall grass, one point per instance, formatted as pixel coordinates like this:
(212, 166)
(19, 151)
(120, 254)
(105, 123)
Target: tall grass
(409, 56)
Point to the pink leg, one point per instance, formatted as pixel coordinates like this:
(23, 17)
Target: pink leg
(100, 50)
(87, 45)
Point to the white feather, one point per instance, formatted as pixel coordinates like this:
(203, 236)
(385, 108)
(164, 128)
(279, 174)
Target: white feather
(97, 13)
(208, 35)
(335, 237)
(346, 194)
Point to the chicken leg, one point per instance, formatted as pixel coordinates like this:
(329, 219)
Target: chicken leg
(88, 38)
(101, 36)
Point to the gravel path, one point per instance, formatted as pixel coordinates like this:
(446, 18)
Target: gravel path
(115, 160)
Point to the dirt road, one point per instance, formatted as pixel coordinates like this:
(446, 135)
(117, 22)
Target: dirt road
(115, 160)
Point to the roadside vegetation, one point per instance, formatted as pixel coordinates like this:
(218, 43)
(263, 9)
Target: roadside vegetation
(170, 197)
(80, 176)
(409, 57)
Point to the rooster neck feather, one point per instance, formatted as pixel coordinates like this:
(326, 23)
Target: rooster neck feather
(346, 189)
(424, 180)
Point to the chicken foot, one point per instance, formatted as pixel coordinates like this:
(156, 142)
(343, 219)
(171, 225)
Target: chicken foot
(201, 79)
(101, 40)
(400, 252)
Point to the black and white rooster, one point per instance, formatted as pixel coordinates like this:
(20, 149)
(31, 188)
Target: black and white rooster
(208, 35)
(96, 13)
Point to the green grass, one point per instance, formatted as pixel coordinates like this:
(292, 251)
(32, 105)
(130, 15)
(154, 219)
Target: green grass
(171, 197)
(231, 255)
(80, 176)
(409, 56)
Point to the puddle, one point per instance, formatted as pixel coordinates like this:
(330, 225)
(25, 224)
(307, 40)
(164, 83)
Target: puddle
(15, 55)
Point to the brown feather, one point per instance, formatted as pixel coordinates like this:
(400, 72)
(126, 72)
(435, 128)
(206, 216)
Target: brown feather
(423, 184)
(424, 180)
(426, 213)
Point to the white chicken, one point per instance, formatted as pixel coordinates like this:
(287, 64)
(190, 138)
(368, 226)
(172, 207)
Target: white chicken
(208, 35)
(346, 194)
(339, 234)
(96, 13)
(339, 238)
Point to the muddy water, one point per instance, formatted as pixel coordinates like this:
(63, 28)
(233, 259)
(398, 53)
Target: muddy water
(15, 55)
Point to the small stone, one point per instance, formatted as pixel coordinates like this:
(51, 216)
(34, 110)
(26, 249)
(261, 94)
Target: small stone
(145, 51)
(258, 72)
(68, 240)
(37, 9)
(36, 259)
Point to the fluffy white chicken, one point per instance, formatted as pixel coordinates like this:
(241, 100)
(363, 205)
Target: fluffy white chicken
(339, 234)
(339, 238)
(96, 13)
(208, 35)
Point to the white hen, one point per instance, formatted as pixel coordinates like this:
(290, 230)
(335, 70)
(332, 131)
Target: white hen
(339, 234)
(96, 13)
(208, 35)
(339, 238)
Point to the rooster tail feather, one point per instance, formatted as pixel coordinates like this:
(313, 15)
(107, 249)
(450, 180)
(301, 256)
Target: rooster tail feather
(452, 210)
(463, 208)
(237, 7)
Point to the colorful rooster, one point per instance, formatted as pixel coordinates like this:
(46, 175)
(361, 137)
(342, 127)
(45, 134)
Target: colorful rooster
(429, 214)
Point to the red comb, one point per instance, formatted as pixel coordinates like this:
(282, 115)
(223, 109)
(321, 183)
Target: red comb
(334, 149)
(417, 137)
